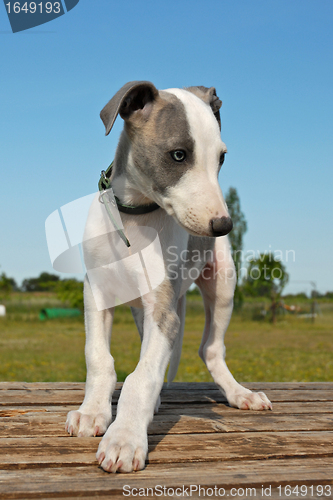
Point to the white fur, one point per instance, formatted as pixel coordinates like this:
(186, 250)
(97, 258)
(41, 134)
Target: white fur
(188, 208)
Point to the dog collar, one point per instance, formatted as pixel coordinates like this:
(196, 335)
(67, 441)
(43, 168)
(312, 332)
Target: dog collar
(105, 183)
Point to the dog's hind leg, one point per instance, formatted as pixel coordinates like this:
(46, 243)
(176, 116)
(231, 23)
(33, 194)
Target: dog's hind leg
(94, 415)
(138, 315)
(177, 347)
(217, 283)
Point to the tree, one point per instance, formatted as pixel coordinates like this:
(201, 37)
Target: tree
(266, 277)
(7, 285)
(236, 236)
(44, 282)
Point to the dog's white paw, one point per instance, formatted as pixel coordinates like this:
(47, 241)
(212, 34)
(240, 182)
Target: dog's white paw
(83, 424)
(122, 450)
(248, 400)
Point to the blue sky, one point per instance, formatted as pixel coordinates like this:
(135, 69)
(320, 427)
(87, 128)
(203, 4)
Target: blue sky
(271, 63)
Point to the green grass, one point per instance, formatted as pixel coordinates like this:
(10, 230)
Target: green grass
(292, 350)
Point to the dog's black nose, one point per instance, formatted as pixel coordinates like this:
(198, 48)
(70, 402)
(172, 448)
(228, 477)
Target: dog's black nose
(221, 226)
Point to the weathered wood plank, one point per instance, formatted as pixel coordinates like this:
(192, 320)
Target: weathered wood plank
(41, 451)
(237, 446)
(12, 411)
(40, 397)
(208, 422)
(205, 420)
(49, 496)
(273, 495)
(280, 408)
(206, 443)
(202, 386)
(74, 482)
(32, 386)
(183, 397)
(253, 386)
(73, 396)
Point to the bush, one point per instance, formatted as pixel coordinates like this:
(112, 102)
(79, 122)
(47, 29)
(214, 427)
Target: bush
(70, 291)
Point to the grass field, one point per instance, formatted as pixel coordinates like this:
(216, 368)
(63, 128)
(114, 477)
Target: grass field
(294, 349)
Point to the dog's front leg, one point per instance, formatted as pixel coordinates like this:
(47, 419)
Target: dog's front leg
(217, 283)
(94, 415)
(124, 446)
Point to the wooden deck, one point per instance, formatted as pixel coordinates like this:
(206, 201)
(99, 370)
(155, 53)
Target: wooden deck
(196, 439)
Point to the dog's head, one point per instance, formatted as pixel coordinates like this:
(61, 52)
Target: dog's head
(176, 151)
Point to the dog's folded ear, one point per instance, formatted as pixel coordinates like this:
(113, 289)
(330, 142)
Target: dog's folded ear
(132, 97)
(208, 95)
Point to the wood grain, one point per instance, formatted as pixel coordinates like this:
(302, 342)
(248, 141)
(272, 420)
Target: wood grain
(80, 481)
(195, 439)
(39, 422)
(75, 396)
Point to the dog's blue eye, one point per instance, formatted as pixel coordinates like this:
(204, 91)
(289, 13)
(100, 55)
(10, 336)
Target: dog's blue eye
(178, 155)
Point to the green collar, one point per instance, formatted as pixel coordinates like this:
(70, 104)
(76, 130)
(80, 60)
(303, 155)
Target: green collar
(105, 183)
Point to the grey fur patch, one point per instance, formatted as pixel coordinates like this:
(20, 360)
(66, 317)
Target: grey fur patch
(168, 323)
(165, 314)
(166, 130)
(121, 156)
(124, 99)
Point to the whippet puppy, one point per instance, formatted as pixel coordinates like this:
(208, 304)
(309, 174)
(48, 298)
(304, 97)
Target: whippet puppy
(168, 160)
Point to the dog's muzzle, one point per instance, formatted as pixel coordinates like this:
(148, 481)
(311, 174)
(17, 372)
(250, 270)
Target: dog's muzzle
(221, 226)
